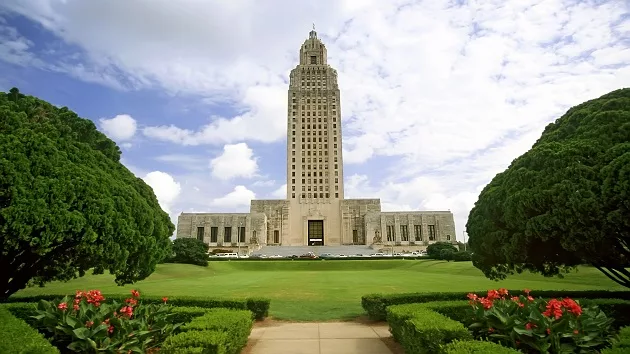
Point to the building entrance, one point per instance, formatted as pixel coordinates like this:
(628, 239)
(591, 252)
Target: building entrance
(316, 232)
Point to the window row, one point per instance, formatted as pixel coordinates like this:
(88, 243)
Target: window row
(314, 167)
(404, 233)
(227, 234)
(315, 126)
(315, 195)
(314, 159)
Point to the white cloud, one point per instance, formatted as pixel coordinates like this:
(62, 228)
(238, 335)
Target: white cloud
(280, 193)
(166, 189)
(120, 128)
(239, 197)
(237, 160)
(453, 91)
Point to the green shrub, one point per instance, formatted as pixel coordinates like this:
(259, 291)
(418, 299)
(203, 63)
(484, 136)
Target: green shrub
(194, 342)
(190, 250)
(20, 338)
(375, 304)
(476, 347)
(259, 306)
(421, 330)
(187, 314)
(621, 345)
(237, 324)
(24, 311)
(462, 256)
(618, 309)
(455, 310)
(434, 249)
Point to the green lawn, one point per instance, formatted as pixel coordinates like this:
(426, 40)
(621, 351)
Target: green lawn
(323, 290)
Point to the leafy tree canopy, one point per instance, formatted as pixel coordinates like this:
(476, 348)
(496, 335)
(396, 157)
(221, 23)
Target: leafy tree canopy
(563, 203)
(190, 251)
(67, 204)
(434, 250)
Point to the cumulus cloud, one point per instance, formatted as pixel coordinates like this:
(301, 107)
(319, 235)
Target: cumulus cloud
(280, 193)
(237, 160)
(165, 187)
(239, 197)
(450, 91)
(120, 128)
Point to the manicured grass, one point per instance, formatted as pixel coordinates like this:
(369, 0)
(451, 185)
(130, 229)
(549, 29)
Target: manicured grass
(323, 290)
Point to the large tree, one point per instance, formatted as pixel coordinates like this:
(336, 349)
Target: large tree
(67, 204)
(563, 203)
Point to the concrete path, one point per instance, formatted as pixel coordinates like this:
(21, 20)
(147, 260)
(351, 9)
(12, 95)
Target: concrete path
(321, 338)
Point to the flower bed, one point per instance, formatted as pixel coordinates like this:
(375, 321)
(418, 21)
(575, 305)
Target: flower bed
(90, 322)
(375, 304)
(524, 323)
(259, 306)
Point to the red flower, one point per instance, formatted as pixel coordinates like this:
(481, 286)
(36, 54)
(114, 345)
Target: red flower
(110, 329)
(576, 332)
(62, 306)
(492, 295)
(529, 326)
(503, 291)
(526, 291)
(472, 296)
(520, 304)
(554, 309)
(164, 299)
(135, 293)
(515, 298)
(486, 303)
(572, 306)
(75, 307)
(131, 302)
(127, 311)
(106, 321)
(89, 324)
(548, 330)
(490, 330)
(530, 299)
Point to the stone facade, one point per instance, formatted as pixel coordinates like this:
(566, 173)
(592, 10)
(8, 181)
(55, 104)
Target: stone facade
(315, 211)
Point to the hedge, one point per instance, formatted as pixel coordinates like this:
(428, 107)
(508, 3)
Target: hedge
(420, 330)
(217, 331)
(476, 347)
(258, 306)
(375, 304)
(19, 337)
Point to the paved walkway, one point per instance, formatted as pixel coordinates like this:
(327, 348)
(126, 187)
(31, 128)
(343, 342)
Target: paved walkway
(320, 338)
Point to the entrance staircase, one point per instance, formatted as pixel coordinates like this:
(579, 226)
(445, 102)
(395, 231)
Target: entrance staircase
(285, 251)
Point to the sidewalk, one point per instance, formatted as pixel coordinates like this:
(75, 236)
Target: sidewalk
(321, 338)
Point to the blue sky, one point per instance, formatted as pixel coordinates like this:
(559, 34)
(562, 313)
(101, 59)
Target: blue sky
(436, 97)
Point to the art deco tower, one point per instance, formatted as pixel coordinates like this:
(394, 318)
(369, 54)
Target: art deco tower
(314, 155)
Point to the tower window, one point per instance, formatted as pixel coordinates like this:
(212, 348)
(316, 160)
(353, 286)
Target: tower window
(313, 59)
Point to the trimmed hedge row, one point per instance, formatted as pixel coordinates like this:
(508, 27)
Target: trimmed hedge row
(476, 347)
(220, 331)
(421, 330)
(375, 304)
(223, 259)
(258, 306)
(19, 337)
(622, 345)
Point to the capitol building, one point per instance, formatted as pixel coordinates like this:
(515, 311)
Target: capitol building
(315, 212)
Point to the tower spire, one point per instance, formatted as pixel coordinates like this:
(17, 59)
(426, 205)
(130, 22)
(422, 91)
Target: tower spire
(312, 34)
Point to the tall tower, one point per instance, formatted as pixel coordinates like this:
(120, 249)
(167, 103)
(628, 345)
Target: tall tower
(315, 163)
(314, 157)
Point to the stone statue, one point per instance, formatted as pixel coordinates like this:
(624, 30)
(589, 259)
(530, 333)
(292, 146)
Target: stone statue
(377, 237)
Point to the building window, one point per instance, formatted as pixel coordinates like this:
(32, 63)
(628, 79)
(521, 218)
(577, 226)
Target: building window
(214, 234)
(404, 233)
(276, 236)
(448, 237)
(241, 234)
(336, 195)
(355, 237)
(313, 59)
(391, 233)
(417, 231)
(200, 233)
(293, 195)
(431, 232)
(227, 234)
